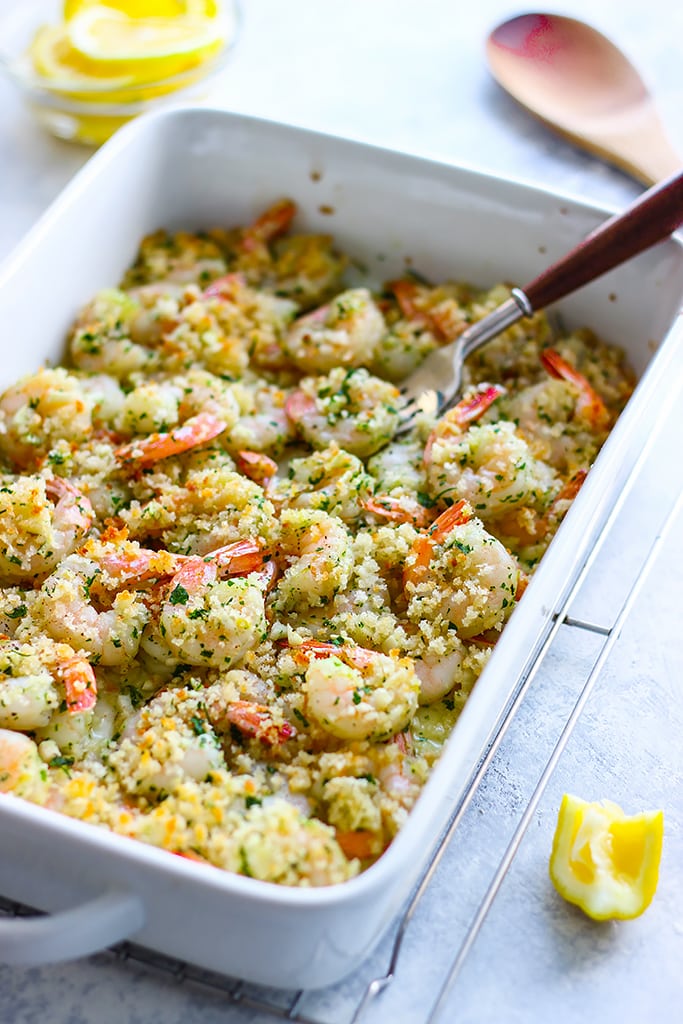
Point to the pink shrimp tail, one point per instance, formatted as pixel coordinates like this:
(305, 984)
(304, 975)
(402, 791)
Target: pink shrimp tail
(238, 559)
(397, 511)
(299, 405)
(308, 649)
(572, 486)
(68, 497)
(466, 411)
(487, 639)
(258, 467)
(226, 287)
(422, 549)
(244, 556)
(268, 575)
(471, 409)
(455, 515)
(589, 404)
(80, 684)
(358, 657)
(445, 320)
(194, 432)
(567, 493)
(314, 317)
(404, 742)
(406, 293)
(270, 225)
(255, 720)
(194, 575)
(130, 563)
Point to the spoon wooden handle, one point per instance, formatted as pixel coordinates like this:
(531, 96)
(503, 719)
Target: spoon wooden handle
(654, 216)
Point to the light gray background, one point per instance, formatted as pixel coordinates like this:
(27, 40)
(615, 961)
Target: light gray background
(412, 75)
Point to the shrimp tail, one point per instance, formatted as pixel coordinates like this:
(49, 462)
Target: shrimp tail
(471, 409)
(226, 287)
(80, 684)
(356, 657)
(467, 411)
(310, 648)
(571, 488)
(195, 431)
(422, 549)
(256, 722)
(143, 564)
(315, 317)
(564, 498)
(589, 404)
(238, 559)
(444, 323)
(197, 571)
(299, 406)
(454, 515)
(406, 293)
(71, 501)
(270, 225)
(397, 511)
(256, 465)
(268, 575)
(360, 844)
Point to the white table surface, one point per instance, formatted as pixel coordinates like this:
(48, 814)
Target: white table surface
(412, 75)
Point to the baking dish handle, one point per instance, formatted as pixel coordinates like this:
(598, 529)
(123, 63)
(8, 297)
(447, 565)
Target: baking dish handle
(69, 934)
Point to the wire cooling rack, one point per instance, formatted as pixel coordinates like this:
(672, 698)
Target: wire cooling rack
(290, 1006)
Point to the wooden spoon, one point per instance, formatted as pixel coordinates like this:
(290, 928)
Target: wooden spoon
(577, 82)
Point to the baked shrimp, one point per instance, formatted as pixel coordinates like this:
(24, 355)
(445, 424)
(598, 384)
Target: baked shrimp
(239, 615)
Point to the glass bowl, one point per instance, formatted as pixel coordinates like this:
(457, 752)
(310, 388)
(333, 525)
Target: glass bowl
(91, 112)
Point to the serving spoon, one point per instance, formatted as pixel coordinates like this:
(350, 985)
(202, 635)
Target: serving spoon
(577, 82)
(435, 385)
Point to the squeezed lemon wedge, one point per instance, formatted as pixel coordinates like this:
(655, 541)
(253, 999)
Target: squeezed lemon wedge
(604, 861)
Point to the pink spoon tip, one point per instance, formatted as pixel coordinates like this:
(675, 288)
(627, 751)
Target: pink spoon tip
(534, 36)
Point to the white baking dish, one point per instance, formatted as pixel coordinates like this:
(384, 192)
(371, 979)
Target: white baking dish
(196, 168)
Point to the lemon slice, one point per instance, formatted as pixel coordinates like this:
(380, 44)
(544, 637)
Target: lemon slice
(107, 37)
(147, 8)
(54, 58)
(604, 861)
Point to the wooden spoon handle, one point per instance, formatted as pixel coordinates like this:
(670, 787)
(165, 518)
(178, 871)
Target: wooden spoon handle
(654, 216)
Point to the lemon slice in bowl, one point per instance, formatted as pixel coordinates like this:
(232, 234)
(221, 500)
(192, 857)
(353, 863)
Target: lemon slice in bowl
(109, 60)
(147, 8)
(106, 37)
(54, 59)
(604, 861)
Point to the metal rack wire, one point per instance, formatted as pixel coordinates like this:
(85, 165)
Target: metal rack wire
(237, 993)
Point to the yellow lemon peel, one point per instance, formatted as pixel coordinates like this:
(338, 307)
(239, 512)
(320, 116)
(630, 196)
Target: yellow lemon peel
(604, 861)
(146, 8)
(108, 38)
(54, 58)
